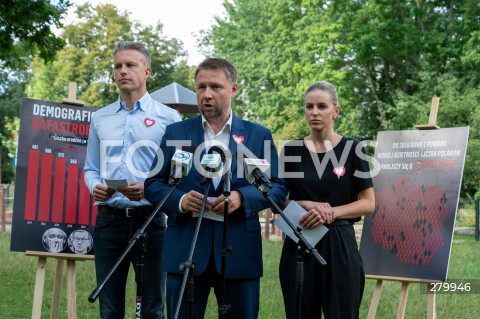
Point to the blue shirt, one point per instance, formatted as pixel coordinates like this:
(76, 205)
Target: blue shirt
(122, 144)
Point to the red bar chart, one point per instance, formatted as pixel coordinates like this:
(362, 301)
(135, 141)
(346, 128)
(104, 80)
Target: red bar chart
(32, 184)
(59, 190)
(50, 191)
(45, 188)
(56, 190)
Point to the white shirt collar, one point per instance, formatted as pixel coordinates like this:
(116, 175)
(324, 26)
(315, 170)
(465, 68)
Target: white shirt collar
(228, 124)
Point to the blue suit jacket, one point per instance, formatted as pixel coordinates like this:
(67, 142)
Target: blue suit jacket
(244, 230)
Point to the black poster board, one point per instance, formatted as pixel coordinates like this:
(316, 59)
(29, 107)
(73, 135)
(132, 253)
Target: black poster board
(53, 210)
(417, 188)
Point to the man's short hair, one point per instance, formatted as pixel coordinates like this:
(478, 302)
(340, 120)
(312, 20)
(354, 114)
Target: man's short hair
(129, 45)
(218, 64)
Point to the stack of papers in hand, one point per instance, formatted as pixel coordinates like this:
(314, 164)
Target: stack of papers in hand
(293, 212)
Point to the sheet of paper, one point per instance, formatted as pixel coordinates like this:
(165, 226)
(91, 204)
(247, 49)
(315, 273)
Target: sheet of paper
(293, 212)
(114, 183)
(209, 214)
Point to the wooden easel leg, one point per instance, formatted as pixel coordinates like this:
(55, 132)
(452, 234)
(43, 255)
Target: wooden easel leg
(57, 289)
(38, 292)
(431, 312)
(268, 217)
(71, 290)
(375, 299)
(402, 305)
(71, 283)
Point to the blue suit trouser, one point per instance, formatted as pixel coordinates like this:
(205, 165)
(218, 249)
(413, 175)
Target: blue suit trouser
(242, 295)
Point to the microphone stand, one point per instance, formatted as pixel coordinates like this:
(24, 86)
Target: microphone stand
(188, 266)
(139, 235)
(226, 250)
(297, 231)
(263, 184)
(142, 248)
(299, 281)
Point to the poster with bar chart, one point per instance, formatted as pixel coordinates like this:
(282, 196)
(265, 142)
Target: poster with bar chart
(53, 209)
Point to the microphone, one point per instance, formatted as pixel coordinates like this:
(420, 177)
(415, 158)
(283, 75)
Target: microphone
(219, 150)
(214, 161)
(260, 177)
(255, 171)
(212, 164)
(180, 164)
(227, 178)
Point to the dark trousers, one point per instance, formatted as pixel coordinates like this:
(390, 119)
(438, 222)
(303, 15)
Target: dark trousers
(241, 294)
(111, 237)
(335, 289)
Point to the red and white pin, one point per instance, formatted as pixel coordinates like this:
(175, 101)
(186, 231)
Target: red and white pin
(149, 122)
(339, 171)
(238, 139)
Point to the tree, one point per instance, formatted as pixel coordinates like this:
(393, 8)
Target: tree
(25, 30)
(387, 59)
(259, 38)
(11, 91)
(88, 57)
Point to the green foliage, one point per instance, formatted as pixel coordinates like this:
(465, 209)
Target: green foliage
(25, 30)
(12, 127)
(184, 75)
(386, 58)
(88, 57)
(12, 86)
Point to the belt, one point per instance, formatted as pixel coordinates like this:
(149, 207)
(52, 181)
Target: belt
(125, 212)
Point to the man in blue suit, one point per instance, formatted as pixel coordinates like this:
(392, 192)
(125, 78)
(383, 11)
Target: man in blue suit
(215, 81)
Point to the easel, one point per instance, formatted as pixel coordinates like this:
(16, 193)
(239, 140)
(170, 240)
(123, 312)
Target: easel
(402, 302)
(269, 227)
(61, 257)
(432, 119)
(57, 287)
(72, 95)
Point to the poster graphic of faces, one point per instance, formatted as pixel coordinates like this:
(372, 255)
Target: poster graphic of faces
(55, 240)
(80, 241)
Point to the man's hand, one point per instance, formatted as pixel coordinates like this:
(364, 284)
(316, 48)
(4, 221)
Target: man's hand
(101, 193)
(192, 202)
(133, 191)
(234, 202)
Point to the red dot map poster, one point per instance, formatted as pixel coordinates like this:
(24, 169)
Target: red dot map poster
(53, 210)
(417, 188)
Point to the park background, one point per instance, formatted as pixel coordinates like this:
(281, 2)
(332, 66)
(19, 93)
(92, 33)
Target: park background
(387, 59)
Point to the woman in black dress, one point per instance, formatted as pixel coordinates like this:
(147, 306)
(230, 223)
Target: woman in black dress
(333, 184)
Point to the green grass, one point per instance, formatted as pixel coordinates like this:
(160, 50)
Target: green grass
(464, 259)
(17, 274)
(465, 217)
